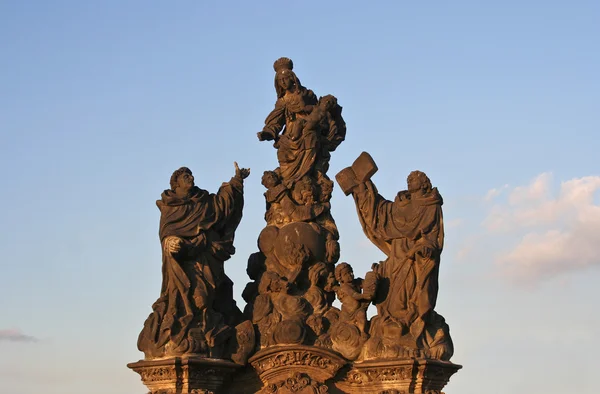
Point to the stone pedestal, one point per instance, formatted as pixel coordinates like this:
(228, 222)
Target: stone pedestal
(184, 375)
(296, 369)
(416, 376)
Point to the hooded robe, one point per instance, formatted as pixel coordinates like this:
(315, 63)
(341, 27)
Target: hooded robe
(410, 232)
(195, 291)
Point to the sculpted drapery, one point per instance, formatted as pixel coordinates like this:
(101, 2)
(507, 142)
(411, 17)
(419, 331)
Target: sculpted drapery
(291, 338)
(195, 310)
(406, 230)
(305, 129)
(410, 231)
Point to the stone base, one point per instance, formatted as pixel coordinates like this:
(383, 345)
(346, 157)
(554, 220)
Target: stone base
(244, 381)
(296, 369)
(416, 376)
(184, 375)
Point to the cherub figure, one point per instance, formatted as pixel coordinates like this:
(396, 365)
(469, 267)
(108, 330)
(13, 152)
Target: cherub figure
(302, 205)
(255, 269)
(332, 129)
(305, 192)
(354, 303)
(285, 206)
(325, 187)
(275, 193)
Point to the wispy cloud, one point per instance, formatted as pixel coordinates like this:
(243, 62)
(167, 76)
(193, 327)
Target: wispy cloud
(559, 233)
(16, 336)
(495, 192)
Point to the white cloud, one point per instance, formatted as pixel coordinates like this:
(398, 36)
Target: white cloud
(538, 190)
(495, 192)
(16, 336)
(558, 233)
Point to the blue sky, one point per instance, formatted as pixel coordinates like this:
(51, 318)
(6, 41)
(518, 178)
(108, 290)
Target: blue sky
(497, 103)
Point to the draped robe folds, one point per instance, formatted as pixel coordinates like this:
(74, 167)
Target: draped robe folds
(302, 148)
(296, 150)
(195, 291)
(411, 233)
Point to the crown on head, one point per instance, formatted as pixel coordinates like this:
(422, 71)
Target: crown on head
(282, 64)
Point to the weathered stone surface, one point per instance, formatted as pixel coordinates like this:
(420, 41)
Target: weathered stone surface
(410, 231)
(284, 369)
(292, 290)
(196, 340)
(362, 170)
(244, 381)
(349, 333)
(195, 313)
(184, 375)
(396, 376)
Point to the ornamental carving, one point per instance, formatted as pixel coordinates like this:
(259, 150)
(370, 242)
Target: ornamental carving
(288, 358)
(157, 374)
(379, 375)
(195, 313)
(192, 391)
(297, 383)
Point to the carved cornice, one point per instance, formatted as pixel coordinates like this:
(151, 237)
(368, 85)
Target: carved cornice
(370, 375)
(397, 376)
(192, 375)
(278, 362)
(157, 374)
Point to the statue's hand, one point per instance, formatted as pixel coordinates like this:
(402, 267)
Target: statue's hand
(264, 136)
(241, 173)
(426, 252)
(174, 245)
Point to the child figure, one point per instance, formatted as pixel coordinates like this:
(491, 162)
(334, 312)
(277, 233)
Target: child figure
(354, 303)
(275, 193)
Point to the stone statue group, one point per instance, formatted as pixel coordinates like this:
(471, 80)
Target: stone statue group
(295, 275)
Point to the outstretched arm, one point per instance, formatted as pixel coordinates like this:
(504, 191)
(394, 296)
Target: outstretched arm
(375, 214)
(241, 173)
(274, 123)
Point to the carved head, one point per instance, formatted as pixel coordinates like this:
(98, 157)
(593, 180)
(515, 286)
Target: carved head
(256, 265)
(326, 189)
(271, 282)
(305, 192)
(344, 273)
(328, 102)
(285, 78)
(182, 179)
(270, 179)
(317, 323)
(297, 254)
(418, 181)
